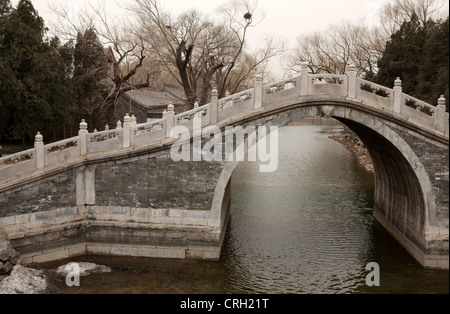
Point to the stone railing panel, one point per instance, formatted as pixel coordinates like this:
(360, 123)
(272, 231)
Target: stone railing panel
(374, 94)
(327, 84)
(18, 157)
(104, 141)
(13, 166)
(60, 151)
(186, 118)
(148, 132)
(419, 105)
(418, 117)
(236, 99)
(282, 90)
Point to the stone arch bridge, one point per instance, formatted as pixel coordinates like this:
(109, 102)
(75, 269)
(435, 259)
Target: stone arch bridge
(119, 192)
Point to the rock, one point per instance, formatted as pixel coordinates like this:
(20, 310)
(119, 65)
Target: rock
(8, 256)
(5, 251)
(85, 269)
(5, 268)
(24, 281)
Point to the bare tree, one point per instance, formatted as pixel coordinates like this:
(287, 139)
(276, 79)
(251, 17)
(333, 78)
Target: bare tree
(343, 44)
(394, 14)
(113, 34)
(328, 52)
(197, 51)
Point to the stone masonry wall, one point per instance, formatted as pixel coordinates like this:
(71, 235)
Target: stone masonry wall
(156, 182)
(53, 192)
(435, 159)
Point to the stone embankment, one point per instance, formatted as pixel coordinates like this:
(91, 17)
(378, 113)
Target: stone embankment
(357, 147)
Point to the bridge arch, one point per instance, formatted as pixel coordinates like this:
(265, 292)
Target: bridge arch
(404, 200)
(90, 190)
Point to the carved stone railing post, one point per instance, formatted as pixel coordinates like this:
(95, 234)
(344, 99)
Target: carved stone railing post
(83, 133)
(258, 91)
(198, 115)
(40, 151)
(398, 96)
(440, 115)
(352, 81)
(170, 120)
(126, 131)
(304, 74)
(133, 124)
(214, 106)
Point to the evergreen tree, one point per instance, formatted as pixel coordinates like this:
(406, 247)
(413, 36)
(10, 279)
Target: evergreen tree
(5, 9)
(23, 50)
(36, 86)
(434, 69)
(403, 56)
(89, 79)
(419, 54)
(59, 90)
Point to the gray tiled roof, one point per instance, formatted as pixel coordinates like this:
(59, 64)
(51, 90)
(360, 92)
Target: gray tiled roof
(150, 97)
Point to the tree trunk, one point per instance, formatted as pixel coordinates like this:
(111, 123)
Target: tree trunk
(206, 86)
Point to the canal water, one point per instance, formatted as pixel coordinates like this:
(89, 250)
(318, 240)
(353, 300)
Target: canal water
(305, 229)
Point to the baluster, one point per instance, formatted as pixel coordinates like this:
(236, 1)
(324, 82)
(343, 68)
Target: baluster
(258, 91)
(352, 81)
(304, 82)
(214, 105)
(83, 133)
(40, 151)
(440, 116)
(398, 95)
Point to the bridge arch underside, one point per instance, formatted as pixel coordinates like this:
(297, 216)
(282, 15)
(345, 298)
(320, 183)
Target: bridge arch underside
(405, 198)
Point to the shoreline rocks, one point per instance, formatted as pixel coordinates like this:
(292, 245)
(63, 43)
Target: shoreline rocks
(356, 146)
(8, 257)
(24, 280)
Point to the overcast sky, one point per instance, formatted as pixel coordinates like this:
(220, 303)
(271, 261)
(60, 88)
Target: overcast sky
(284, 19)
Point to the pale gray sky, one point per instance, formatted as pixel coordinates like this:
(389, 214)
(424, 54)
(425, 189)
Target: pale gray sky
(284, 19)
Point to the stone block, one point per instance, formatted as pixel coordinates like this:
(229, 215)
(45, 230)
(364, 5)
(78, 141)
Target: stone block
(155, 252)
(194, 254)
(98, 249)
(58, 255)
(175, 213)
(17, 235)
(77, 250)
(211, 254)
(124, 251)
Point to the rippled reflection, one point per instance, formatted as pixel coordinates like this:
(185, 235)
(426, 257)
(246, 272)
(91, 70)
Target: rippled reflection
(305, 228)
